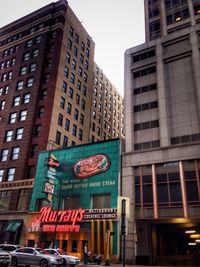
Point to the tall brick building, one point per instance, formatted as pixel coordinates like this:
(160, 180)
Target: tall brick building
(46, 97)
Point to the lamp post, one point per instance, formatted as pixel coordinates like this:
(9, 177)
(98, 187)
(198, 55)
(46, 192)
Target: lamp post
(59, 199)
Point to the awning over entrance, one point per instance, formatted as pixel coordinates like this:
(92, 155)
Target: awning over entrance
(13, 226)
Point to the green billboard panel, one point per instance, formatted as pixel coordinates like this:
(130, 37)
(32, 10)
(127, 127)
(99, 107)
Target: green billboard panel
(84, 170)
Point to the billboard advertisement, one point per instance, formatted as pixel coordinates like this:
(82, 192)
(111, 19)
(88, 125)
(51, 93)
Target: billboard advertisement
(83, 170)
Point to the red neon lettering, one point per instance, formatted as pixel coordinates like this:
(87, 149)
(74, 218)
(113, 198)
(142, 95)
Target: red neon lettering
(60, 228)
(53, 163)
(49, 215)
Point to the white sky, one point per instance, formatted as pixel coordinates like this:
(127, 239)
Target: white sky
(113, 25)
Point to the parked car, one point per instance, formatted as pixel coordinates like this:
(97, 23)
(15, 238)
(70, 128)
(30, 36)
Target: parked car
(4, 258)
(9, 247)
(67, 258)
(34, 256)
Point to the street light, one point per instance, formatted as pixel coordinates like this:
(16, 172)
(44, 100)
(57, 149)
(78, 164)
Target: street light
(59, 199)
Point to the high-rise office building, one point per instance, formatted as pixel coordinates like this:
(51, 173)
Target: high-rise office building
(165, 17)
(46, 96)
(161, 165)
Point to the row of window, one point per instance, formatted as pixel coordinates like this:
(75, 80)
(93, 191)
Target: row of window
(76, 38)
(144, 72)
(75, 49)
(146, 125)
(10, 51)
(18, 134)
(13, 155)
(9, 174)
(67, 121)
(17, 101)
(74, 62)
(7, 63)
(65, 142)
(78, 99)
(144, 55)
(22, 116)
(146, 106)
(147, 145)
(73, 76)
(144, 89)
(185, 139)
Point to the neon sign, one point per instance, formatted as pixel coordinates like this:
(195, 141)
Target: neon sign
(48, 216)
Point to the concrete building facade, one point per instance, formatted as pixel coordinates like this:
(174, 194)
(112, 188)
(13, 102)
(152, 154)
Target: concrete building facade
(161, 163)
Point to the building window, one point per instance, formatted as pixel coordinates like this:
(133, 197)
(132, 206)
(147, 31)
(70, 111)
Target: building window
(75, 51)
(35, 52)
(30, 172)
(76, 114)
(81, 119)
(60, 119)
(67, 124)
(77, 99)
(16, 101)
(5, 200)
(46, 78)
(40, 112)
(15, 153)
(81, 58)
(71, 31)
(64, 87)
(1, 175)
(79, 85)
(65, 141)
(69, 108)
(13, 117)
(22, 70)
(72, 79)
(29, 43)
(26, 56)
(29, 82)
(2, 104)
(62, 102)
(19, 133)
(85, 77)
(66, 72)
(68, 57)
(20, 85)
(83, 104)
(74, 130)
(80, 71)
(22, 115)
(84, 90)
(80, 134)
(71, 93)
(8, 135)
(34, 150)
(74, 64)
(69, 45)
(32, 67)
(76, 38)
(101, 201)
(23, 199)
(58, 138)
(38, 39)
(71, 202)
(43, 94)
(4, 154)
(37, 130)
(10, 174)
(26, 98)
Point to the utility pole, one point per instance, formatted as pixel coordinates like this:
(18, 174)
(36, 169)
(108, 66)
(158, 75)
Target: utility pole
(123, 231)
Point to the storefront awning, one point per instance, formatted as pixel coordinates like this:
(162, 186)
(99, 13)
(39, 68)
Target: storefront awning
(12, 226)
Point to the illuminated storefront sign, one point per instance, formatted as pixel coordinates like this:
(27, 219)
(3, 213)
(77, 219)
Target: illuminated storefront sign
(52, 220)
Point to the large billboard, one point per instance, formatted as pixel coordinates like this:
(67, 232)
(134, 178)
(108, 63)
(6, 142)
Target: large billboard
(83, 170)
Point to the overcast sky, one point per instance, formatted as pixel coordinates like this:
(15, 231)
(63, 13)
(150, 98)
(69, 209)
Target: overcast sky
(113, 25)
